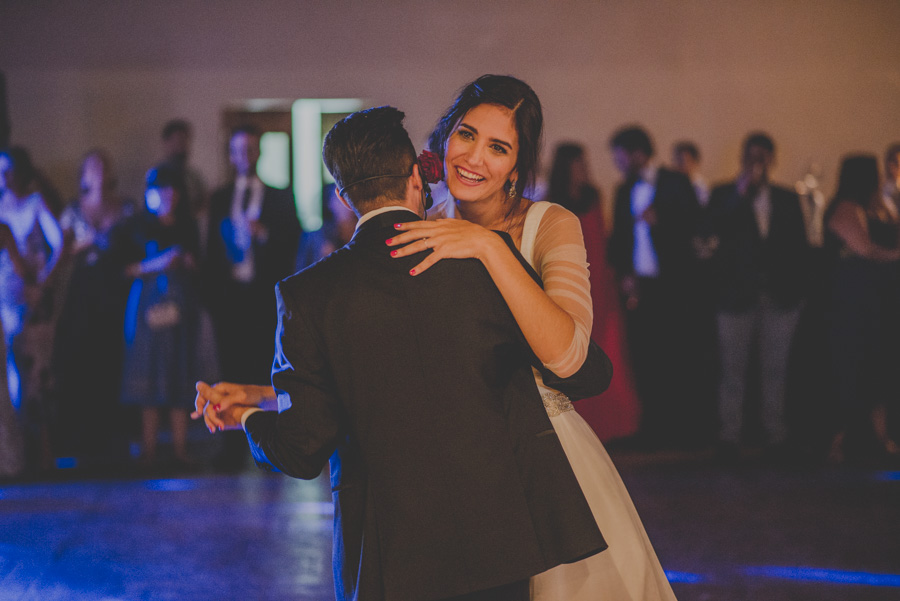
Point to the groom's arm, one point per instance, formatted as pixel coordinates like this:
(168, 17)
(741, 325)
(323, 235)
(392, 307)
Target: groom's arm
(299, 440)
(594, 375)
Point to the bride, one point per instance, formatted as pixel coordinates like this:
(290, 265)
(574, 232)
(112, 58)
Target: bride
(488, 141)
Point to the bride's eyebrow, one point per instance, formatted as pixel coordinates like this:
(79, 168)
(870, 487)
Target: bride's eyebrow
(496, 140)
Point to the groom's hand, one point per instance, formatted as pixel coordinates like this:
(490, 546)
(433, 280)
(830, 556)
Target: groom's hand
(212, 402)
(231, 416)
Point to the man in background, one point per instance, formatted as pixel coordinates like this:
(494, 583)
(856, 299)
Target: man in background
(761, 268)
(651, 250)
(254, 233)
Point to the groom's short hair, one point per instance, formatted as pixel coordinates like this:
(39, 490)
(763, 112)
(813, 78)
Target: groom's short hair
(370, 144)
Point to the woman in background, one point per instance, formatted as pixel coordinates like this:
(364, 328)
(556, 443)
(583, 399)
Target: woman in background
(863, 229)
(162, 360)
(12, 448)
(87, 357)
(615, 414)
(29, 296)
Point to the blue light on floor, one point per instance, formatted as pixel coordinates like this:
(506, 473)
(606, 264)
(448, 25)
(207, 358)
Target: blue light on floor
(684, 577)
(889, 476)
(822, 575)
(172, 485)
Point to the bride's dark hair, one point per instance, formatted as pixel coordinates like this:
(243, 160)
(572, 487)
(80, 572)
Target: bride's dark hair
(509, 92)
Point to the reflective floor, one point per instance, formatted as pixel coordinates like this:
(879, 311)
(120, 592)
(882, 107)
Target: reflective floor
(757, 533)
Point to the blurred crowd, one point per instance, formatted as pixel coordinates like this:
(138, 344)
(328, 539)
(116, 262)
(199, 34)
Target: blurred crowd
(742, 316)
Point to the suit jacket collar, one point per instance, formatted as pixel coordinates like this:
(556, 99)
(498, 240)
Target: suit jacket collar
(380, 224)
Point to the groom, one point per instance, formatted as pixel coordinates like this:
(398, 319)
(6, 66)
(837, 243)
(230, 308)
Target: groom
(448, 479)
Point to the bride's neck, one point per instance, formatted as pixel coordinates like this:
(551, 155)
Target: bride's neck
(490, 214)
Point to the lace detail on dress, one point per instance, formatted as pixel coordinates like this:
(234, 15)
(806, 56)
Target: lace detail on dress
(556, 403)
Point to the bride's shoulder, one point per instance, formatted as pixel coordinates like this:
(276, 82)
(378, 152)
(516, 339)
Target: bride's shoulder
(553, 213)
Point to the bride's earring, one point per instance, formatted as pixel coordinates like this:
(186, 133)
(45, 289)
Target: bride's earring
(512, 188)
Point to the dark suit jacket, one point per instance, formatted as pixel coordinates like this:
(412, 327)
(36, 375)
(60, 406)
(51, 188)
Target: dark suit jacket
(274, 259)
(677, 210)
(244, 313)
(447, 475)
(746, 265)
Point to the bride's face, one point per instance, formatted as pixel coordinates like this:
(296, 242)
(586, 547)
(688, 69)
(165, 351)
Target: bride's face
(481, 154)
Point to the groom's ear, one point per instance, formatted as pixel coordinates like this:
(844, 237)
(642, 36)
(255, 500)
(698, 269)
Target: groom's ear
(416, 178)
(345, 202)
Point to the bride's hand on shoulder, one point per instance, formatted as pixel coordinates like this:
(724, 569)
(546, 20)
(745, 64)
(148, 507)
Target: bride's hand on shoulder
(446, 238)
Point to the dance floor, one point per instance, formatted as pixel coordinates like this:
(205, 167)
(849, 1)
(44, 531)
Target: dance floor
(758, 533)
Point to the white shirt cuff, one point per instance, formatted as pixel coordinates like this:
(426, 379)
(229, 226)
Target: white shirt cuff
(247, 414)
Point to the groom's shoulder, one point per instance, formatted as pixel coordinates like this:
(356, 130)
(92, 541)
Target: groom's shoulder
(320, 273)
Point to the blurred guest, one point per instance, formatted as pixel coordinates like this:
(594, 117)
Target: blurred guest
(864, 229)
(28, 305)
(761, 267)
(651, 250)
(686, 160)
(616, 413)
(89, 342)
(891, 187)
(254, 235)
(177, 137)
(809, 387)
(12, 447)
(336, 231)
(162, 361)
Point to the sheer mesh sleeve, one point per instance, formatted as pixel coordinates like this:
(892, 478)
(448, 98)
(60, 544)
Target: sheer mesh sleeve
(561, 260)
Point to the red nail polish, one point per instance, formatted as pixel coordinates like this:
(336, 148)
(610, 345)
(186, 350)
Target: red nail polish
(389, 240)
(398, 226)
(412, 272)
(217, 408)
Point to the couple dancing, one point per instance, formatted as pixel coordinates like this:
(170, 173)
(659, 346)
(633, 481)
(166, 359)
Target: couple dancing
(421, 379)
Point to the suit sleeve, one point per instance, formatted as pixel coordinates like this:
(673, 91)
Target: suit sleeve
(299, 439)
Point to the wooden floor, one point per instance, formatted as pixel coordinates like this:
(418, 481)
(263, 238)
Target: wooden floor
(757, 533)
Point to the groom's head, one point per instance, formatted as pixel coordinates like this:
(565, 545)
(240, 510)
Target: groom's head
(371, 158)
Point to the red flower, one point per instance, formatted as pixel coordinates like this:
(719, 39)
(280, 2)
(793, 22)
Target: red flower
(432, 167)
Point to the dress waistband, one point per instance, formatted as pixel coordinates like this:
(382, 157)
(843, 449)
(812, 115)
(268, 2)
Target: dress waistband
(556, 403)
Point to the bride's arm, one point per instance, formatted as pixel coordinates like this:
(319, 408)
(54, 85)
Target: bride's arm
(546, 317)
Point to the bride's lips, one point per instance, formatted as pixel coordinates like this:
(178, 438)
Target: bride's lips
(467, 177)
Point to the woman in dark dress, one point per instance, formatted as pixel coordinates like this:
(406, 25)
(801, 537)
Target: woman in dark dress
(87, 357)
(162, 361)
(864, 232)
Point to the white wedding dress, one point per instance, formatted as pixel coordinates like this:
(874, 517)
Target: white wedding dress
(628, 570)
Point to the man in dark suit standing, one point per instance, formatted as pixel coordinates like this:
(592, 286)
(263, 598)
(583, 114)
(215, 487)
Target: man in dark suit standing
(449, 481)
(651, 249)
(762, 267)
(253, 238)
